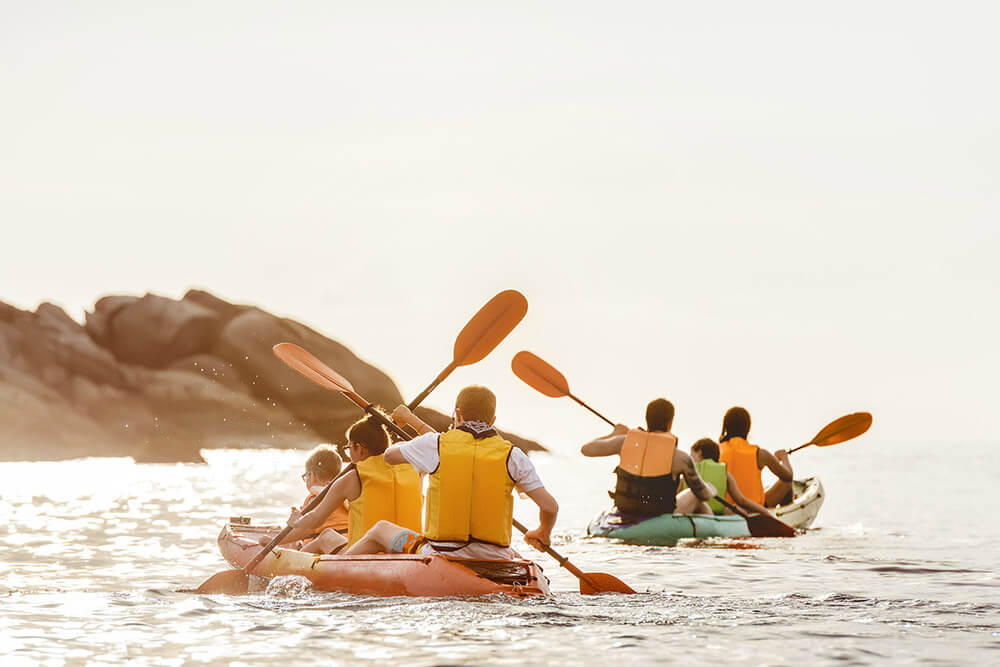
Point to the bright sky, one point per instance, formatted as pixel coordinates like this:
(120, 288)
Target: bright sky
(788, 206)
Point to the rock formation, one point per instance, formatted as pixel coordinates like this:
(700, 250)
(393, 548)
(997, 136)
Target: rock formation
(160, 379)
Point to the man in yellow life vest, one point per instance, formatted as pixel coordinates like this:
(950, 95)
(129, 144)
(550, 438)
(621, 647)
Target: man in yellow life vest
(473, 472)
(746, 461)
(705, 454)
(375, 491)
(650, 465)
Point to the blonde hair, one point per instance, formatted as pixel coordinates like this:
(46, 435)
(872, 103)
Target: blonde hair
(324, 462)
(477, 403)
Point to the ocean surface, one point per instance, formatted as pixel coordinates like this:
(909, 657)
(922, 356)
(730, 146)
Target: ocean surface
(901, 567)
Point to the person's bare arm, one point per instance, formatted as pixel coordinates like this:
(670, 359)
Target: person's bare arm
(393, 456)
(685, 465)
(607, 445)
(734, 490)
(403, 416)
(777, 463)
(548, 510)
(347, 487)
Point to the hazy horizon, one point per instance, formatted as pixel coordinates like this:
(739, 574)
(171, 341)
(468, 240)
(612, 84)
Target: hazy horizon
(786, 207)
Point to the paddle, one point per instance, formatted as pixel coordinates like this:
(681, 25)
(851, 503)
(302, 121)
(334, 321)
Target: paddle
(309, 366)
(481, 335)
(840, 430)
(591, 583)
(761, 525)
(237, 582)
(541, 376)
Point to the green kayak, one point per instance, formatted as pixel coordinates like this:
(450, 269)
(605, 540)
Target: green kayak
(668, 529)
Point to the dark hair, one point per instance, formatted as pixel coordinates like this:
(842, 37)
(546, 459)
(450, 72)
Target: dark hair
(707, 448)
(659, 415)
(324, 462)
(736, 424)
(370, 434)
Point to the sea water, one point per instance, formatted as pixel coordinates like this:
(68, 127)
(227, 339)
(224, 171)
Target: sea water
(901, 567)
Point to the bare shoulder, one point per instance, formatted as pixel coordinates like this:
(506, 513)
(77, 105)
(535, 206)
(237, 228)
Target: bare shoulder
(765, 458)
(683, 463)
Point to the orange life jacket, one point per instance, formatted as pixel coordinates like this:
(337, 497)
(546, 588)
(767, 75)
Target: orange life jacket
(740, 458)
(337, 519)
(646, 484)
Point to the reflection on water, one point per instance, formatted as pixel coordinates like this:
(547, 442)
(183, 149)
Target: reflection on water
(94, 550)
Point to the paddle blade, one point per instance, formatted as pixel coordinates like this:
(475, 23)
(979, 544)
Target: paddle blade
(489, 326)
(765, 525)
(539, 375)
(595, 583)
(311, 368)
(845, 428)
(230, 582)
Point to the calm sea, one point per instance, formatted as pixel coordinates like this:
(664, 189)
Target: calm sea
(902, 567)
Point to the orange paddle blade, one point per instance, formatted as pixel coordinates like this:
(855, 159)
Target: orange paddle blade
(594, 583)
(845, 428)
(539, 375)
(763, 525)
(489, 326)
(229, 582)
(310, 367)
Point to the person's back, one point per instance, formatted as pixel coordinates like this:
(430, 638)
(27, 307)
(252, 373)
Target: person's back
(745, 461)
(388, 493)
(646, 484)
(705, 454)
(322, 466)
(375, 490)
(469, 496)
(740, 458)
(649, 465)
(472, 473)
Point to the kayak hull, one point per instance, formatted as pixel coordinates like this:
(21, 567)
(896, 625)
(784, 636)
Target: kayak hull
(668, 529)
(802, 511)
(383, 574)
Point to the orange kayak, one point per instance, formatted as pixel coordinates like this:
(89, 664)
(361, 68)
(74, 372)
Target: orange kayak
(383, 574)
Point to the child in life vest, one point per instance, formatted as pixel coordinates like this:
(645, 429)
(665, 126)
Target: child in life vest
(322, 466)
(705, 454)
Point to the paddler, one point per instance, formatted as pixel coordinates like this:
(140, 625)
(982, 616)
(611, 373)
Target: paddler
(705, 454)
(473, 472)
(745, 461)
(375, 491)
(650, 465)
(322, 466)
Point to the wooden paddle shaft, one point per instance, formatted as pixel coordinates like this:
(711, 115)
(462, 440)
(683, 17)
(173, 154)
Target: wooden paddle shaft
(591, 409)
(792, 451)
(376, 414)
(738, 510)
(562, 560)
(438, 380)
(311, 505)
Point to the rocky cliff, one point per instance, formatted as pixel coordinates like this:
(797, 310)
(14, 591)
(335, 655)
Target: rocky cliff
(159, 379)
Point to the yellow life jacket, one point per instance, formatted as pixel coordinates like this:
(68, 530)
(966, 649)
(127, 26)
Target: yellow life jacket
(392, 493)
(469, 497)
(740, 458)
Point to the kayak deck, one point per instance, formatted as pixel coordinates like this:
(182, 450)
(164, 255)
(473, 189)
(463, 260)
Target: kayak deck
(668, 529)
(383, 574)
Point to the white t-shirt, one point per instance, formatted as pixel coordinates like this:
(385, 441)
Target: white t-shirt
(422, 454)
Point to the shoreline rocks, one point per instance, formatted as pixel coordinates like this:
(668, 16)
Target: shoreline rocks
(160, 379)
